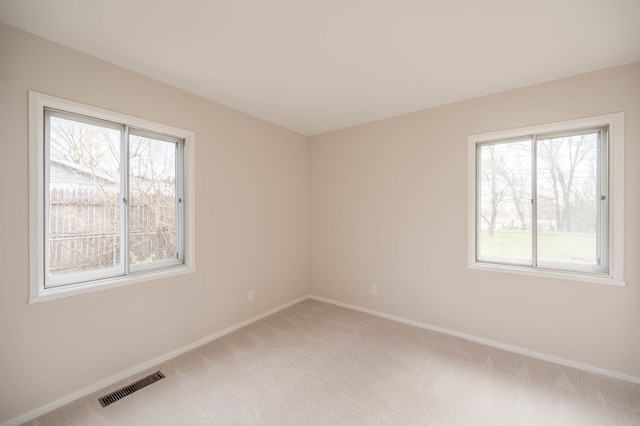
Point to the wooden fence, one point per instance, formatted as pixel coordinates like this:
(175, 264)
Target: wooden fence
(84, 229)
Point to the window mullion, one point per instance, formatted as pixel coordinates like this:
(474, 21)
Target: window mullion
(180, 210)
(46, 222)
(125, 200)
(534, 201)
(603, 201)
(478, 200)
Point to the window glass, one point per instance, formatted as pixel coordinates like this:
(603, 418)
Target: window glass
(568, 176)
(84, 211)
(152, 204)
(504, 200)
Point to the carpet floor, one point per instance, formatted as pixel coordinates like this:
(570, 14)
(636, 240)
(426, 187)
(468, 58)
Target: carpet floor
(318, 364)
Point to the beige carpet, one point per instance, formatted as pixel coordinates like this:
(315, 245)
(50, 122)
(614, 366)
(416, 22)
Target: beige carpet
(315, 363)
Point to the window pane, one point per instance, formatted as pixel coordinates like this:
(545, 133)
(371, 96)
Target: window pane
(504, 222)
(568, 198)
(152, 203)
(84, 197)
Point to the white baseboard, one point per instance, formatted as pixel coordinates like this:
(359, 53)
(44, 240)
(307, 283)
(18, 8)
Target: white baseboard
(492, 343)
(141, 367)
(158, 360)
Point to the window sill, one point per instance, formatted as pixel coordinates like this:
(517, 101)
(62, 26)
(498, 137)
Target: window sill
(46, 294)
(543, 273)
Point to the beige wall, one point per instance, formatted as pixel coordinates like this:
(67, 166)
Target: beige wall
(251, 221)
(389, 207)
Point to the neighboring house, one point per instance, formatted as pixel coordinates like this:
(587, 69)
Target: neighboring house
(67, 175)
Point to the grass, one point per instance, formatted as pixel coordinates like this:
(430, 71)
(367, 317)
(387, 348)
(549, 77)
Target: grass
(574, 247)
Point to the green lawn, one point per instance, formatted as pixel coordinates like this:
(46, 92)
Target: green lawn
(571, 247)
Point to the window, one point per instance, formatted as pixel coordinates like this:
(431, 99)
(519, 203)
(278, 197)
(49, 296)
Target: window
(548, 200)
(111, 199)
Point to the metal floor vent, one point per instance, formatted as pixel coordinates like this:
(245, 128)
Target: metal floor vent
(128, 390)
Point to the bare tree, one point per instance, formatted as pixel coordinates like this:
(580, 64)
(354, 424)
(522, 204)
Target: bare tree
(562, 158)
(152, 185)
(516, 171)
(494, 185)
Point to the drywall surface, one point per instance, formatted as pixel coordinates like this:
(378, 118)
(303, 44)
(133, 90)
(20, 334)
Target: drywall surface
(251, 225)
(389, 208)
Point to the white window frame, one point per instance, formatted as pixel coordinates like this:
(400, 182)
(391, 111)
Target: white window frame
(38, 102)
(615, 166)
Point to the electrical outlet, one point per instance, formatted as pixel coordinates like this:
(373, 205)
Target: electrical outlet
(374, 289)
(252, 295)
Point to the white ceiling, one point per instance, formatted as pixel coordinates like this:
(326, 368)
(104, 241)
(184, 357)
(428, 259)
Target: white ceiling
(318, 65)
